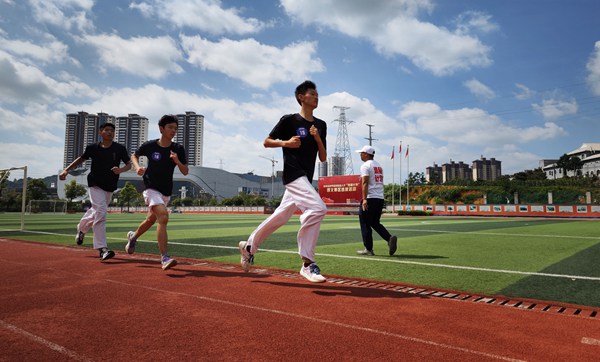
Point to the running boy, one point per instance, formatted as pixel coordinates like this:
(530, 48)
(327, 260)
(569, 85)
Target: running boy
(163, 155)
(302, 137)
(102, 181)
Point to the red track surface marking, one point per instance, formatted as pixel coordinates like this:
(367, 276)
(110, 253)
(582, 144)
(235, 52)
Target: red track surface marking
(61, 303)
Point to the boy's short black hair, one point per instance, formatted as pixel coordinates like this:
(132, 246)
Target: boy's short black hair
(104, 125)
(303, 87)
(166, 119)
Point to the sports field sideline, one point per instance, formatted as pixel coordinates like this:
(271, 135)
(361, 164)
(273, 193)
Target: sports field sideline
(545, 259)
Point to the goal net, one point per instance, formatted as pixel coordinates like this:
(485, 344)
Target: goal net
(38, 206)
(15, 173)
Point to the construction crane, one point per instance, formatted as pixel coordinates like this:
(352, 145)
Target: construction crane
(273, 162)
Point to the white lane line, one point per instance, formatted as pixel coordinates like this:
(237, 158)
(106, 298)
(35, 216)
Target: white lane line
(592, 341)
(44, 342)
(322, 321)
(387, 260)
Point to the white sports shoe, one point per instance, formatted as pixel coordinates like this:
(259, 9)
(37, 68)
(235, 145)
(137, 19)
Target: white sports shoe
(247, 259)
(312, 273)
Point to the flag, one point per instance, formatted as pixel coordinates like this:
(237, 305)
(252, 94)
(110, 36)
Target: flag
(400, 149)
(405, 156)
(392, 153)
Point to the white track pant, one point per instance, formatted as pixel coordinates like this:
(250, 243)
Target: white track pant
(95, 217)
(299, 195)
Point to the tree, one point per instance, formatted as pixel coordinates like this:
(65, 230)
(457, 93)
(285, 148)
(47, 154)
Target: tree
(575, 164)
(417, 178)
(127, 194)
(73, 190)
(36, 189)
(568, 163)
(3, 177)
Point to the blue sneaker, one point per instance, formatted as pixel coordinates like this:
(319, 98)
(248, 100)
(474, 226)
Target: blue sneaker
(167, 262)
(130, 247)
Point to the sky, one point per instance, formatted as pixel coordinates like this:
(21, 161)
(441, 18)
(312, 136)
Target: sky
(518, 81)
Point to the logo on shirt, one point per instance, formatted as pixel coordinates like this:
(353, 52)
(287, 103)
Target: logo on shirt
(302, 132)
(156, 156)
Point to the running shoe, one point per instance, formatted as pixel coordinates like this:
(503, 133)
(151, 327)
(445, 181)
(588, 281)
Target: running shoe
(130, 247)
(312, 273)
(106, 253)
(167, 262)
(79, 237)
(365, 252)
(247, 259)
(392, 244)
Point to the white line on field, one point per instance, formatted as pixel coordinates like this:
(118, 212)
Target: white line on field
(592, 341)
(44, 342)
(362, 258)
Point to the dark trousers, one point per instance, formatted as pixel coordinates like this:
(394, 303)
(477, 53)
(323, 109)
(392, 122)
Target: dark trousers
(370, 220)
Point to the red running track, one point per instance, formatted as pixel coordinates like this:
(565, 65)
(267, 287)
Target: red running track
(61, 303)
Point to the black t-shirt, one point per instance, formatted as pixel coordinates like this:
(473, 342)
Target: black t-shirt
(159, 173)
(298, 162)
(103, 160)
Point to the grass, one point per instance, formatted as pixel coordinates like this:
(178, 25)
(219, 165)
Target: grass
(553, 260)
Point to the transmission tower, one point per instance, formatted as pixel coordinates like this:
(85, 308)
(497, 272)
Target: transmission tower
(342, 154)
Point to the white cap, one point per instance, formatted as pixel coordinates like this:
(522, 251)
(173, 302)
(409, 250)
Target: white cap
(367, 149)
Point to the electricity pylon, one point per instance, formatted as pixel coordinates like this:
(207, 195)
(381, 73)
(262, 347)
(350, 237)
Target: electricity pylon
(342, 144)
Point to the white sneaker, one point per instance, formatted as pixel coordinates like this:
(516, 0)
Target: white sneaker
(130, 247)
(312, 273)
(247, 259)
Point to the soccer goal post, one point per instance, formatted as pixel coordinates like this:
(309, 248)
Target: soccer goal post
(39, 206)
(4, 173)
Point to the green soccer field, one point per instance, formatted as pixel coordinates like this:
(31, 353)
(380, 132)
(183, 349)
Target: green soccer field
(554, 260)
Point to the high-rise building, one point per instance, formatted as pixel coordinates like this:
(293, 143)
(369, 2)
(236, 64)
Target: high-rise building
(190, 134)
(131, 131)
(433, 174)
(82, 130)
(74, 137)
(488, 170)
(456, 171)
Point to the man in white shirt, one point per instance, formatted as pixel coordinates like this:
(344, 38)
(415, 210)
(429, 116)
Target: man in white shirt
(371, 205)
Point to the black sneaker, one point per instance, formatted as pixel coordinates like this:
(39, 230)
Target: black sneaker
(392, 244)
(106, 253)
(79, 238)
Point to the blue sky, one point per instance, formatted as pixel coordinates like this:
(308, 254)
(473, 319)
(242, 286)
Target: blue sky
(515, 80)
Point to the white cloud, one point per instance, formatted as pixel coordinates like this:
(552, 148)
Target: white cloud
(479, 89)
(22, 83)
(394, 29)
(204, 15)
(261, 65)
(31, 127)
(523, 92)
(474, 22)
(593, 67)
(143, 56)
(48, 51)
(66, 14)
(470, 126)
(554, 108)
(41, 161)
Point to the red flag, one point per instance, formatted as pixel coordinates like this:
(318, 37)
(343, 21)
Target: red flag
(400, 149)
(392, 153)
(405, 156)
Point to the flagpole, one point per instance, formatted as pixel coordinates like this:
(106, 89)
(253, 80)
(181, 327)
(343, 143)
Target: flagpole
(407, 178)
(400, 181)
(393, 176)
